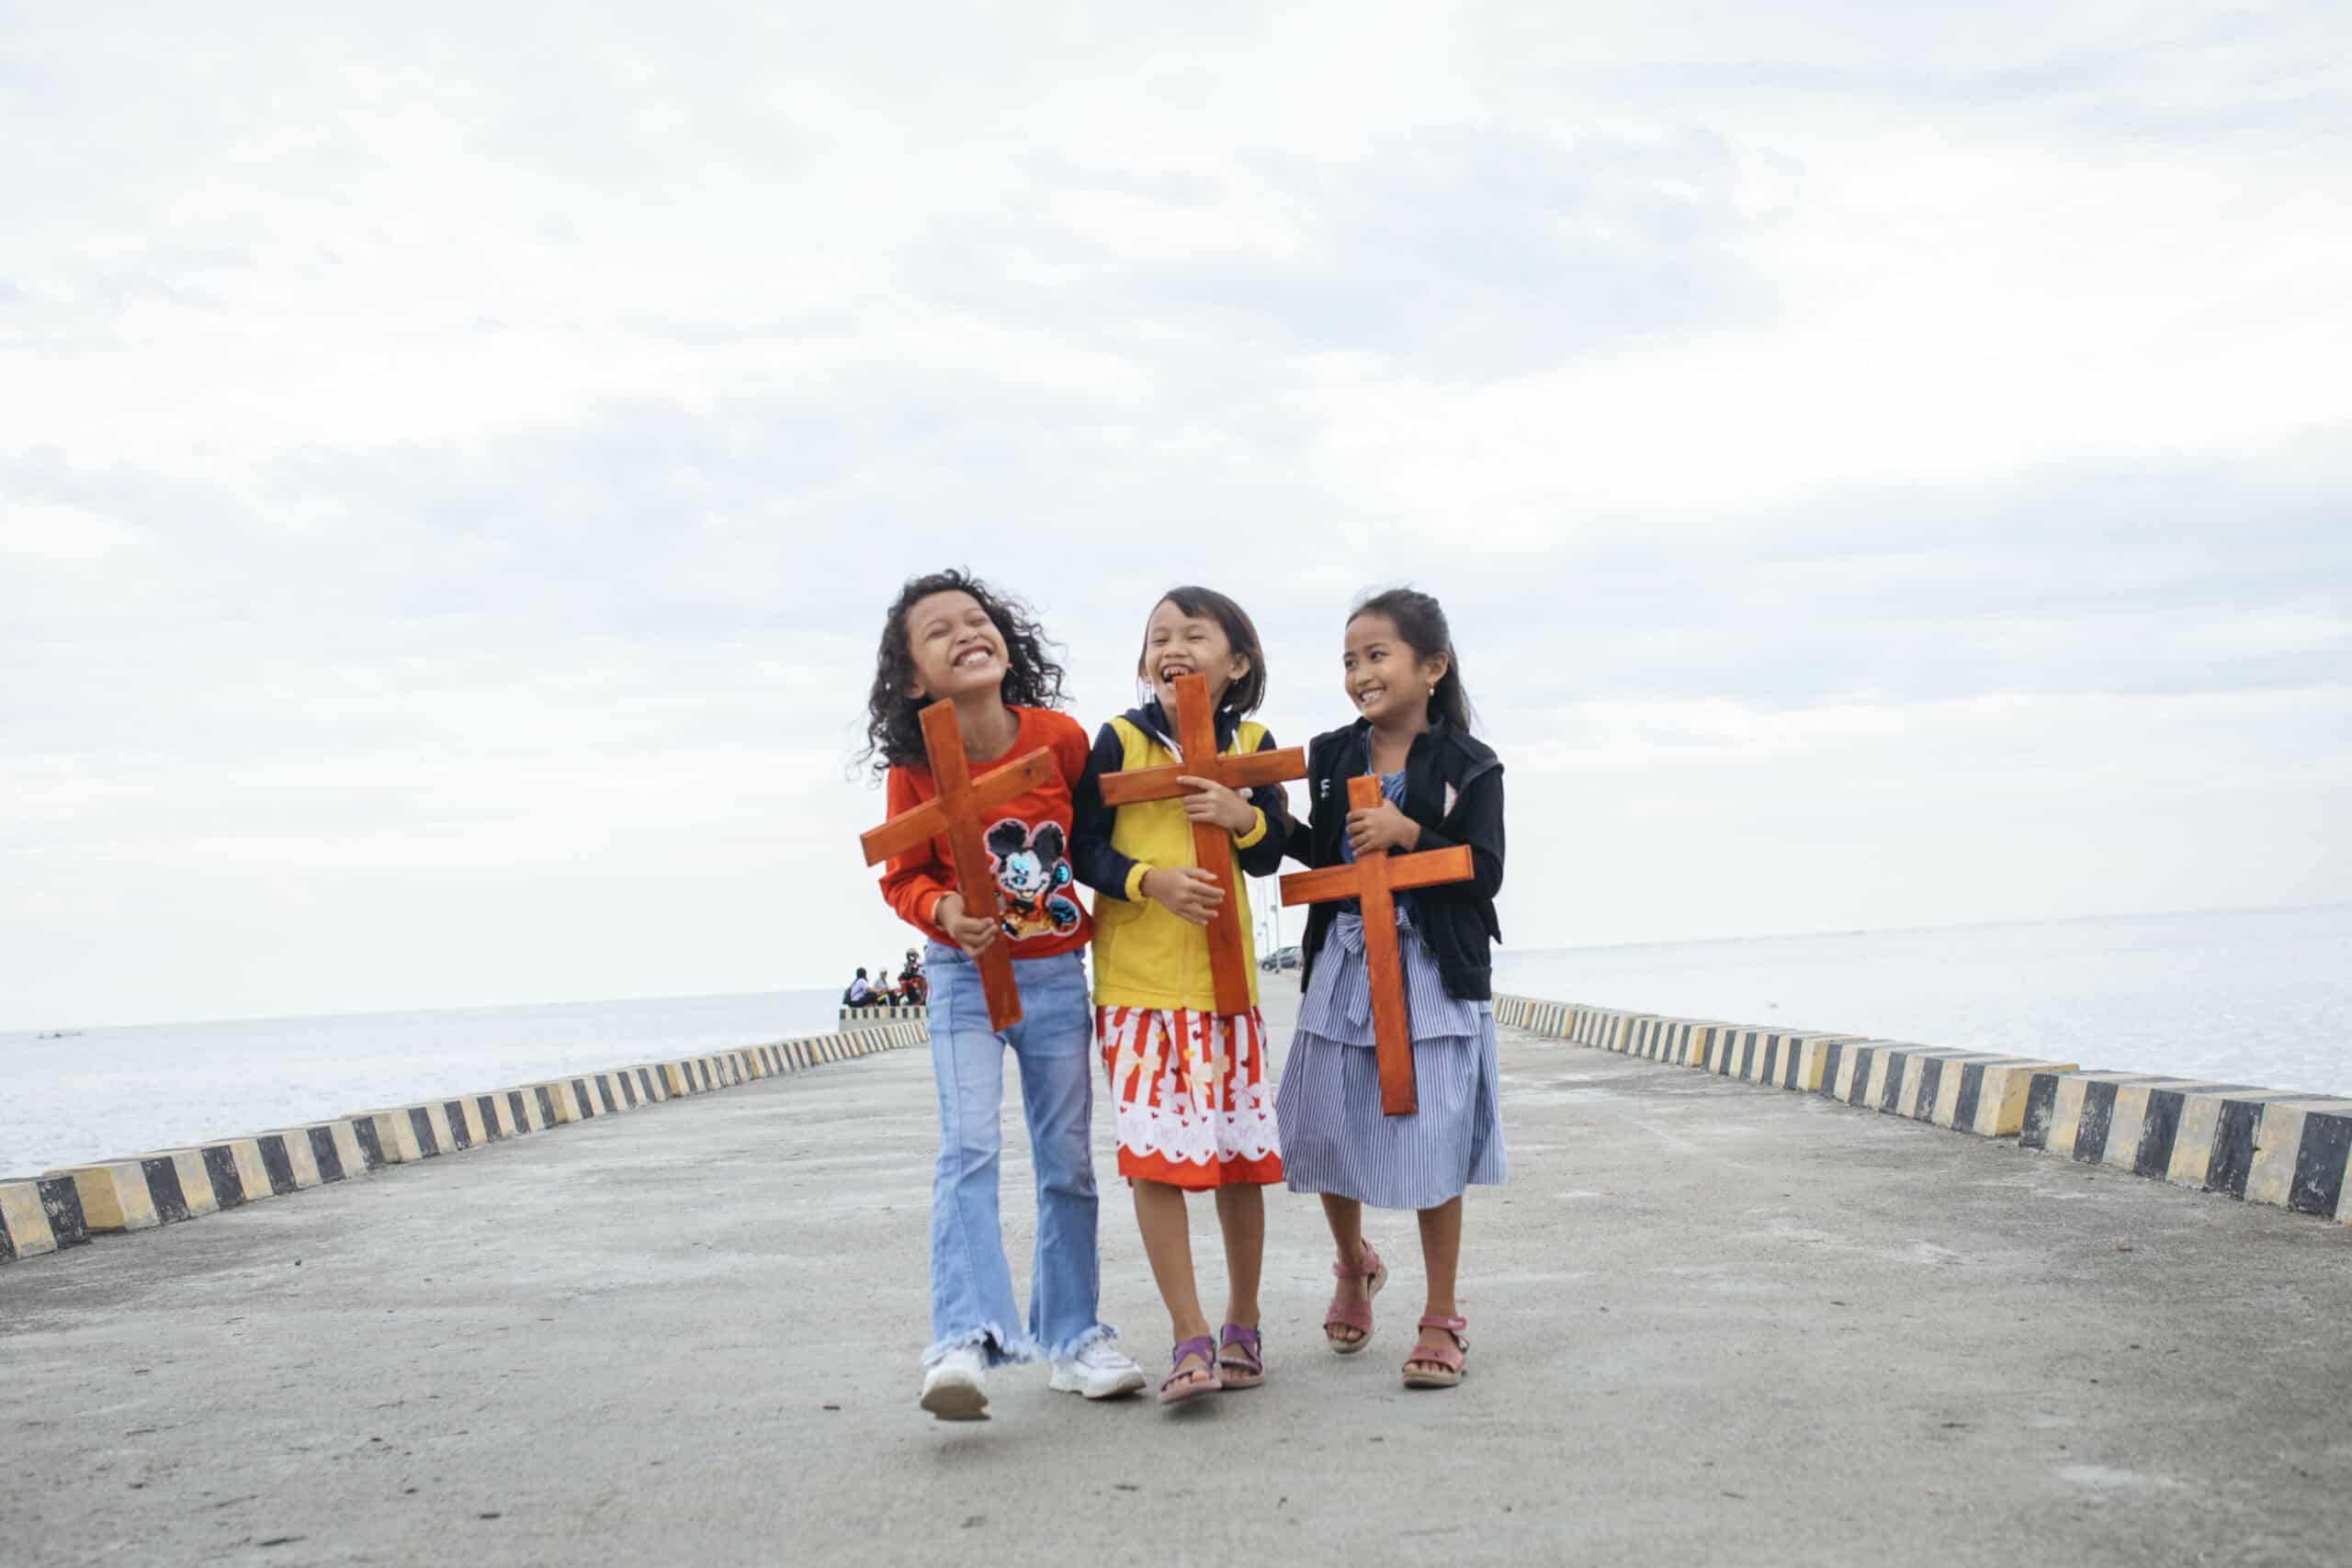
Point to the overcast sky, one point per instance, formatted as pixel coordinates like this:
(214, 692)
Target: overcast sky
(1887, 465)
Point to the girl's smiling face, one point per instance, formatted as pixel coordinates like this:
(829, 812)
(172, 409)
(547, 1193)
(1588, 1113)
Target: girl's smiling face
(956, 648)
(1176, 644)
(1386, 678)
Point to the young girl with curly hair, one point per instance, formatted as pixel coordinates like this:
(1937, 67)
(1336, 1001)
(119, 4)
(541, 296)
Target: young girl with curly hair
(948, 637)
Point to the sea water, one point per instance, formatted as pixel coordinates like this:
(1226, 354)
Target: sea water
(2261, 996)
(2255, 996)
(107, 1092)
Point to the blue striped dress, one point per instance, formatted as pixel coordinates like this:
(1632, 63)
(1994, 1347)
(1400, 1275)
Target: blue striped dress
(1334, 1137)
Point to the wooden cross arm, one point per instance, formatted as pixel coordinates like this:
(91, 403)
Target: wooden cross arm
(1426, 869)
(927, 821)
(1246, 771)
(1320, 885)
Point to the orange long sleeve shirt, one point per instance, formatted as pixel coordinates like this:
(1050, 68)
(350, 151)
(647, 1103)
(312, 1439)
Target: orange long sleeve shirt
(1028, 846)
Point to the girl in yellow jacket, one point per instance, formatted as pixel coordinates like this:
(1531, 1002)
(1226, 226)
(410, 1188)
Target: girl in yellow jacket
(1194, 1102)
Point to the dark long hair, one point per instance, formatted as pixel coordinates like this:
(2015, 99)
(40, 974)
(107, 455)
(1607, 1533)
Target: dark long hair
(1421, 621)
(1243, 696)
(894, 719)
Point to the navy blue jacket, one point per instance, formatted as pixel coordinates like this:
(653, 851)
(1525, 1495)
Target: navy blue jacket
(1453, 789)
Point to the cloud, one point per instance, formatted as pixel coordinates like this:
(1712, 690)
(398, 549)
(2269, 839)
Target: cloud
(1883, 466)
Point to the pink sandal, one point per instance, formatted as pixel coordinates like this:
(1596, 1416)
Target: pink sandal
(1182, 1383)
(1418, 1372)
(1354, 1314)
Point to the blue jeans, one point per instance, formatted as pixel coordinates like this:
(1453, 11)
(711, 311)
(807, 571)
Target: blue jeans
(971, 1285)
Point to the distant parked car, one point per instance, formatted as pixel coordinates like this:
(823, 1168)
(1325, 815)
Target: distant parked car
(1281, 958)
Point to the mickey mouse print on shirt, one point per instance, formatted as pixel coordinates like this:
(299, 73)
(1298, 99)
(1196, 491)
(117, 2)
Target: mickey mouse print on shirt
(1032, 871)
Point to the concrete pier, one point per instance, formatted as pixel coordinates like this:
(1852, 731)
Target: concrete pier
(1709, 1321)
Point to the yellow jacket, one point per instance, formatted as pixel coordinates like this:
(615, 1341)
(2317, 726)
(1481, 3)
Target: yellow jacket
(1143, 956)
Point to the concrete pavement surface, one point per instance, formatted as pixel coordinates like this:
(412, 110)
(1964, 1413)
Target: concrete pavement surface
(1711, 1323)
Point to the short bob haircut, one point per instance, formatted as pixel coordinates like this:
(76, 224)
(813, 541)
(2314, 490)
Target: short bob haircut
(1245, 694)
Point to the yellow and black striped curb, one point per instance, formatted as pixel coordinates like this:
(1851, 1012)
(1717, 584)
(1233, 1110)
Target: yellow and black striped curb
(40, 1216)
(2264, 1145)
(66, 1207)
(867, 1016)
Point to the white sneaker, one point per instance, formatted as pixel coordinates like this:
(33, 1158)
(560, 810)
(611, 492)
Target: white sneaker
(1100, 1370)
(956, 1388)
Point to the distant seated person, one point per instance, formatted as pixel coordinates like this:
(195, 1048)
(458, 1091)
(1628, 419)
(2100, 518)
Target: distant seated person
(860, 993)
(913, 990)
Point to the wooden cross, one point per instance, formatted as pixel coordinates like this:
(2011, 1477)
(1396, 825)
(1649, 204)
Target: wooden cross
(957, 813)
(1372, 882)
(1212, 845)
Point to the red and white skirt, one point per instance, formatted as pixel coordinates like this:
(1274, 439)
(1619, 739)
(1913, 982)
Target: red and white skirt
(1193, 1106)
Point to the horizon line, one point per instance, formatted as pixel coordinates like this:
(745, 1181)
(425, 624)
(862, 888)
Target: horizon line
(36, 1031)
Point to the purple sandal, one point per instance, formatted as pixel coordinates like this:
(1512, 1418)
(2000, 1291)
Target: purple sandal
(1241, 1360)
(1193, 1385)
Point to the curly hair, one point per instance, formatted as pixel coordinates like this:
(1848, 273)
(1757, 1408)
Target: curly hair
(894, 719)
